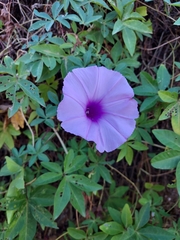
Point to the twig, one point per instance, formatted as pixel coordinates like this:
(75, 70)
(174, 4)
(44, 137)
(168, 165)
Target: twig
(32, 134)
(127, 179)
(61, 141)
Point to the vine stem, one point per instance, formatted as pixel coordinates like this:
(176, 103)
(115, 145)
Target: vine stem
(32, 134)
(127, 179)
(61, 141)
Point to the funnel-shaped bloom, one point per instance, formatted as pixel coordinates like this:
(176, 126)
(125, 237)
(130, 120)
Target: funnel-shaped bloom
(98, 105)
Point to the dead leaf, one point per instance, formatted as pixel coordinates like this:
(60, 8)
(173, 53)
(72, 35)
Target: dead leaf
(17, 120)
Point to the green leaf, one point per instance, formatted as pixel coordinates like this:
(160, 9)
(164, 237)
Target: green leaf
(76, 233)
(68, 159)
(149, 85)
(169, 111)
(104, 30)
(111, 228)
(126, 216)
(31, 91)
(50, 50)
(29, 230)
(37, 68)
(149, 102)
(129, 155)
(104, 172)
(83, 183)
(42, 15)
(178, 177)
(168, 138)
(37, 25)
(115, 215)
(43, 195)
(77, 200)
(62, 197)
(18, 182)
(76, 164)
(6, 82)
(138, 146)
(53, 97)
(168, 97)
(101, 3)
(62, 20)
(143, 216)
(12, 166)
(156, 233)
(15, 226)
(42, 216)
(56, 8)
(166, 160)
(100, 236)
(137, 26)
(46, 178)
(52, 166)
(118, 26)
(177, 22)
(163, 77)
(116, 51)
(130, 39)
(50, 62)
(175, 119)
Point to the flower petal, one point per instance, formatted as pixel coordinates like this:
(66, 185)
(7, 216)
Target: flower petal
(87, 77)
(114, 132)
(78, 126)
(112, 85)
(74, 88)
(126, 108)
(69, 108)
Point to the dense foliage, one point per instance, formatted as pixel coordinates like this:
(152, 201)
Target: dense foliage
(55, 185)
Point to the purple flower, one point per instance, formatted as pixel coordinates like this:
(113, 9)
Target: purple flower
(98, 105)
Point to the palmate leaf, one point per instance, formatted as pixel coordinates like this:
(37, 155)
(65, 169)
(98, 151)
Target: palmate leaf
(73, 163)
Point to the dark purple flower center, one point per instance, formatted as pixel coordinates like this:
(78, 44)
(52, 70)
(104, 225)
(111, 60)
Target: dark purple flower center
(94, 111)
